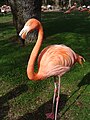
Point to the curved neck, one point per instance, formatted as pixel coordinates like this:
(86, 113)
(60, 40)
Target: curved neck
(34, 53)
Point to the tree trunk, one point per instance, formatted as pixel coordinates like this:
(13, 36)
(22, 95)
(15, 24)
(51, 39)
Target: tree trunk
(44, 2)
(69, 4)
(57, 3)
(23, 10)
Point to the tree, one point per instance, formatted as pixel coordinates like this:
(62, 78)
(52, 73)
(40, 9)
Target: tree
(23, 10)
(85, 2)
(57, 3)
(69, 4)
(47, 2)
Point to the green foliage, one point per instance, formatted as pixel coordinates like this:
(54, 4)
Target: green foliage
(51, 2)
(2, 2)
(33, 99)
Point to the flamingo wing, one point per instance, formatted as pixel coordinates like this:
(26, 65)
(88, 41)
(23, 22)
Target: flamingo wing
(55, 60)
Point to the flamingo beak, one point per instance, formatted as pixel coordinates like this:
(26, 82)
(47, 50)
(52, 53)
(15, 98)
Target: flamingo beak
(23, 33)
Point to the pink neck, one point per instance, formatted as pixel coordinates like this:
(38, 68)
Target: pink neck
(33, 56)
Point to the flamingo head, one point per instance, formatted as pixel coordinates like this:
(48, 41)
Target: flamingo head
(30, 25)
(80, 59)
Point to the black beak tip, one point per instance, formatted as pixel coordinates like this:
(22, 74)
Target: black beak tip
(22, 40)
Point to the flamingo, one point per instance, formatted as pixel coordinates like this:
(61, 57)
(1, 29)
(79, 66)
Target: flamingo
(71, 8)
(54, 60)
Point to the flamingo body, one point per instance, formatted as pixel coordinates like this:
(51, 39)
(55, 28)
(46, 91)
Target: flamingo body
(55, 60)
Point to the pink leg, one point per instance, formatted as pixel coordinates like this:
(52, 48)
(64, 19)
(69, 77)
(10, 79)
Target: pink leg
(55, 92)
(51, 115)
(57, 99)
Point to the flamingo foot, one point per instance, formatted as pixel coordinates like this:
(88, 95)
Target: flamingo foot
(50, 116)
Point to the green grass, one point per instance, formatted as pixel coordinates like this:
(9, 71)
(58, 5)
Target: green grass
(21, 99)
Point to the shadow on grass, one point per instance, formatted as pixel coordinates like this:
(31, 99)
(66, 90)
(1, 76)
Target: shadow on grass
(39, 114)
(75, 23)
(6, 26)
(4, 106)
(84, 82)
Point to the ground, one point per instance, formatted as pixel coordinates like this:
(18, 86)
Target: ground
(21, 99)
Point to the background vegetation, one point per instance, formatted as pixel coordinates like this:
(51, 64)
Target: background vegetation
(21, 99)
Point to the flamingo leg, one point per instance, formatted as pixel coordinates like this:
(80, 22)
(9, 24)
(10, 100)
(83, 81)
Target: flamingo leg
(57, 99)
(51, 115)
(55, 92)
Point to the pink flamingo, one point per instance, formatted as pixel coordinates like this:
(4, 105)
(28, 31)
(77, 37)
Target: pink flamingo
(74, 7)
(54, 60)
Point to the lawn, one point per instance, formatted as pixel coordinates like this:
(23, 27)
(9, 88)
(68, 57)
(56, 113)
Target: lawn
(21, 99)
